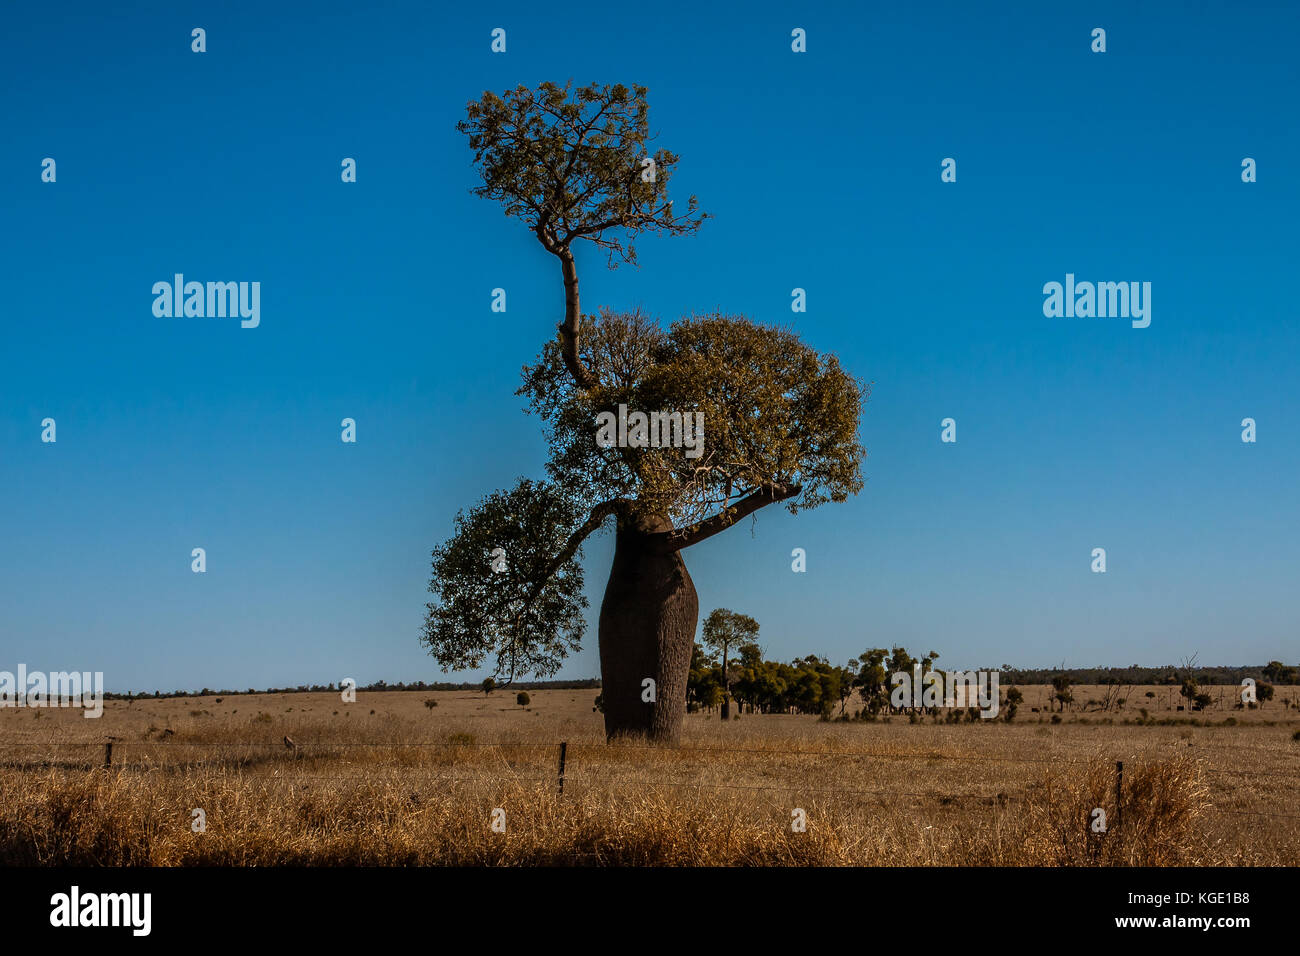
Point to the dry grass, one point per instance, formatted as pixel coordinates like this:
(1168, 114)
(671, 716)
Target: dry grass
(410, 785)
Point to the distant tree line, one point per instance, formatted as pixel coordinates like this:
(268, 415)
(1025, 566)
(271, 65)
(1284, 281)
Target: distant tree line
(813, 685)
(1275, 672)
(807, 685)
(729, 666)
(585, 684)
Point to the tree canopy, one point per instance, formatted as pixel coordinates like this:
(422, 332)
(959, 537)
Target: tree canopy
(780, 425)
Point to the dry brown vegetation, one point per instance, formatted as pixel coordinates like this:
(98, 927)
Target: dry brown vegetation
(388, 780)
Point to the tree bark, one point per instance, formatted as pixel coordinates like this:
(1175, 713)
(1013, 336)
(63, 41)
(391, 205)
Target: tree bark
(569, 328)
(647, 630)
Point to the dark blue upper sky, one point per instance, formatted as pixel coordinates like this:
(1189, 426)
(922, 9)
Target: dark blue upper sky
(822, 171)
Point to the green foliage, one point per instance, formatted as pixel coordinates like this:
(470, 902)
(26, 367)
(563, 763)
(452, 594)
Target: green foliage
(777, 415)
(704, 681)
(489, 685)
(1279, 673)
(569, 163)
(725, 631)
(1061, 691)
(527, 615)
(808, 685)
(872, 676)
(522, 699)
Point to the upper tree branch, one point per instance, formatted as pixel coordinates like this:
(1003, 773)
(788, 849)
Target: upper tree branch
(765, 494)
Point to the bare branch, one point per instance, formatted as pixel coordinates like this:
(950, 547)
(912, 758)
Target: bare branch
(766, 494)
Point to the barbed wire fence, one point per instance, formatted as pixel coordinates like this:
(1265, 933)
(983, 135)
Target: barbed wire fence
(261, 754)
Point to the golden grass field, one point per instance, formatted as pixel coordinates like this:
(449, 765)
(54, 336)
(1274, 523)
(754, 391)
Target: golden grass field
(387, 780)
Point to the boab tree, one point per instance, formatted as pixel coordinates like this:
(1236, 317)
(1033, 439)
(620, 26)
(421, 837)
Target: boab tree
(780, 424)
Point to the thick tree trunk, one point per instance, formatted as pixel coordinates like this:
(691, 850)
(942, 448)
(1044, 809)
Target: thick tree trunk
(647, 630)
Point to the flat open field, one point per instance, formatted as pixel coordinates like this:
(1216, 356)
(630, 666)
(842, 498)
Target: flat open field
(388, 780)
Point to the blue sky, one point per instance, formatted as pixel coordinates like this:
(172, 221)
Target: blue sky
(822, 171)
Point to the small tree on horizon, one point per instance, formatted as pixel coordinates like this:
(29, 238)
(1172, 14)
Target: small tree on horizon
(726, 631)
(1061, 690)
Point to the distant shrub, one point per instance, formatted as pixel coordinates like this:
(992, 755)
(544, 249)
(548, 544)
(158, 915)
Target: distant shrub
(430, 703)
(522, 699)
(1056, 718)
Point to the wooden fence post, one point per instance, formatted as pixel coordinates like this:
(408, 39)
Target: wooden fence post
(564, 746)
(108, 754)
